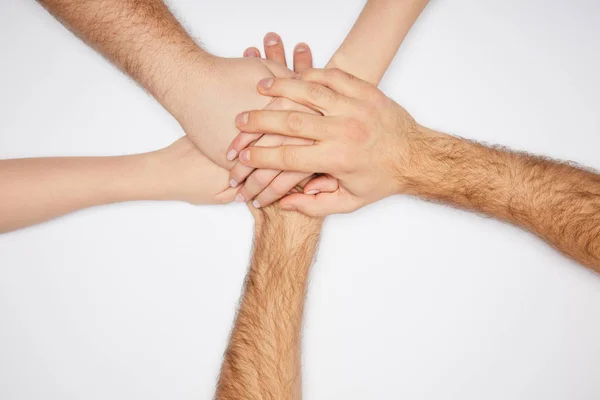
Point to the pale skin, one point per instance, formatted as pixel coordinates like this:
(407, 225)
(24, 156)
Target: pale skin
(371, 148)
(39, 189)
(263, 357)
(366, 52)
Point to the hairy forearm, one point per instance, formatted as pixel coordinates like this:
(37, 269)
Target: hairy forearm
(38, 189)
(141, 37)
(557, 201)
(371, 45)
(263, 356)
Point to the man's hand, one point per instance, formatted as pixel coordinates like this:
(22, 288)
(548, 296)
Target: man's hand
(143, 38)
(363, 140)
(375, 149)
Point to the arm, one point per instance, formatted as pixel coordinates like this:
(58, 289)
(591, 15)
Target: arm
(375, 149)
(263, 359)
(373, 41)
(145, 40)
(38, 189)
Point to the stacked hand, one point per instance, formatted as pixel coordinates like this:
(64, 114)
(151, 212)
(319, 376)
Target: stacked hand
(363, 139)
(266, 186)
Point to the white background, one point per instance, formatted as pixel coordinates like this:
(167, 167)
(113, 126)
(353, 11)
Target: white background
(407, 300)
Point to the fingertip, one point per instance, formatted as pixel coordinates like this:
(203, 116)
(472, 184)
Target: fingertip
(301, 48)
(271, 39)
(252, 52)
(245, 156)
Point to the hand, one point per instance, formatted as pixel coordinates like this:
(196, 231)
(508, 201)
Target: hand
(206, 102)
(266, 186)
(185, 174)
(364, 139)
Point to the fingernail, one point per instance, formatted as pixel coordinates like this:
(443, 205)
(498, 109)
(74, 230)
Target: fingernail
(256, 204)
(287, 207)
(239, 198)
(233, 183)
(242, 118)
(271, 39)
(314, 191)
(231, 154)
(300, 48)
(245, 155)
(266, 83)
(250, 53)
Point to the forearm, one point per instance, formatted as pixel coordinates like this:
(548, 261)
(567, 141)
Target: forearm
(38, 189)
(141, 37)
(557, 201)
(371, 45)
(263, 356)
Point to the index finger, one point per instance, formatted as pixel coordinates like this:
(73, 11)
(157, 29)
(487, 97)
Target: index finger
(286, 158)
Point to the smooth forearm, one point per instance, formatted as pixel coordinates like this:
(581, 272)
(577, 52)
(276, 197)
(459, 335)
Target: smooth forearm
(557, 201)
(263, 356)
(373, 41)
(38, 189)
(141, 37)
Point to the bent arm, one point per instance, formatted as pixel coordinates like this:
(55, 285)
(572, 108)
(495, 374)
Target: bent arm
(557, 201)
(263, 358)
(373, 41)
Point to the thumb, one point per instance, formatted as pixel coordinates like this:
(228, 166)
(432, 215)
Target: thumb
(321, 184)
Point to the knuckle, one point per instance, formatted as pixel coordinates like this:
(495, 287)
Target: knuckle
(355, 130)
(319, 93)
(279, 188)
(260, 179)
(295, 121)
(289, 158)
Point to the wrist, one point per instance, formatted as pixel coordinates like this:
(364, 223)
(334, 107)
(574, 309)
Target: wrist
(290, 228)
(191, 65)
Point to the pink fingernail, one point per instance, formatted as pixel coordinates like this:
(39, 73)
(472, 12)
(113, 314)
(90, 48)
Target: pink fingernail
(245, 155)
(242, 118)
(231, 154)
(256, 204)
(300, 48)
(233, 183)
(251, 53)
(271, 39)
(239, 198)
(314, 191)
(266, 83)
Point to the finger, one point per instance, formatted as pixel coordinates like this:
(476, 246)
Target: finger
(256, 183)
(240, 142)
(303, 59)
(240, 172)
(252, 52)
(287, 158)
(320, 205)
(283, 184)
(226, 196)
(311, 94)
(341, 82)
(274, 50)
(321, 184)
(288, 123)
